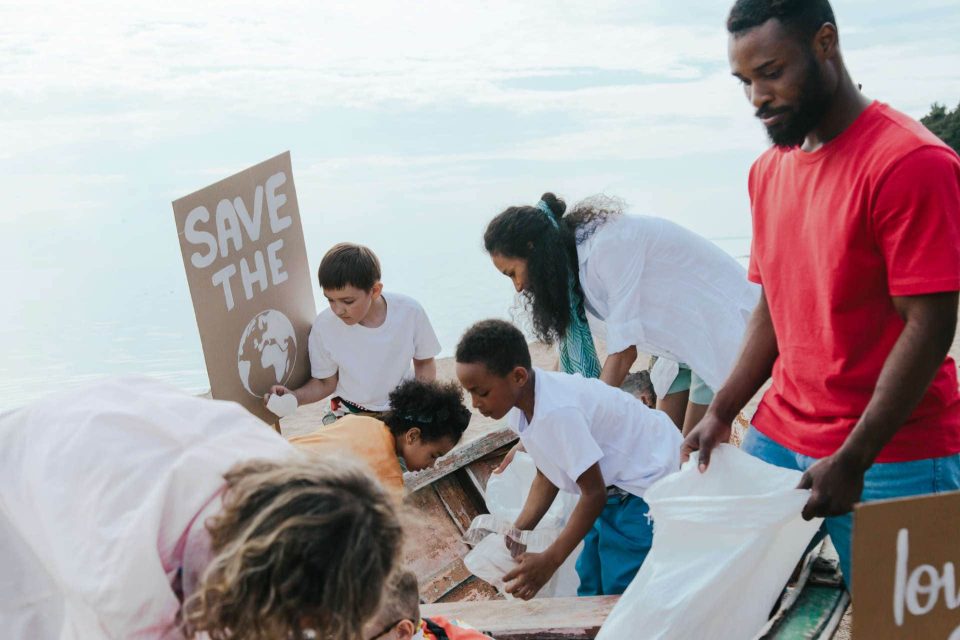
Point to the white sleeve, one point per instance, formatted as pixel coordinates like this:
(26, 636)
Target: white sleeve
(618, 265)
(425, 341)
(573, 446)
(322, 364)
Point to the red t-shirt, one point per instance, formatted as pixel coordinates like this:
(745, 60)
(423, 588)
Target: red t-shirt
(872, 214)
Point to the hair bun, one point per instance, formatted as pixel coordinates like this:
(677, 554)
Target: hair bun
(557, 206)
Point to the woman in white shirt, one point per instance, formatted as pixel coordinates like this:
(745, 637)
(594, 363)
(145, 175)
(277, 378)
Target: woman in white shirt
(659, 288)
(131, 510)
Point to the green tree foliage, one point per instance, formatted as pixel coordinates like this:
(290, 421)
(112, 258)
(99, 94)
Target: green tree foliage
(945, 124)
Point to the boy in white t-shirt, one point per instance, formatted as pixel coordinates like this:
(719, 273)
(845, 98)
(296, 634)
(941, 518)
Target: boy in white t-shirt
(362, 346)
(586, 437)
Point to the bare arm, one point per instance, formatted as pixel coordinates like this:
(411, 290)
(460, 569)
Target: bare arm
(314, 390)
(593, 498)
(425, 370)
(541, 497)
(930, 322)
(535, 569)
(617, 366)
(753, 368)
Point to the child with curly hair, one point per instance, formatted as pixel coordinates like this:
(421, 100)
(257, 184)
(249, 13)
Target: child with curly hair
(426, 420)
(132, 510)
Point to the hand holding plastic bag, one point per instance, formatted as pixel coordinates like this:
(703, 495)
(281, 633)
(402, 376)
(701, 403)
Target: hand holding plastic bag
(725, 542)
(498, 542)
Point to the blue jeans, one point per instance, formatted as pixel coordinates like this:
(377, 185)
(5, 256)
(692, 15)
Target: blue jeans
(615, 547)
(882, 481)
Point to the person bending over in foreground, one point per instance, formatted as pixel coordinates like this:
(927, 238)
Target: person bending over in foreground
(131, 510)
(586, 438)
(426, 420)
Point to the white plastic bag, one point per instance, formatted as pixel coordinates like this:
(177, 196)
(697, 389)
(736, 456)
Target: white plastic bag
(724, 545)
(506, 494)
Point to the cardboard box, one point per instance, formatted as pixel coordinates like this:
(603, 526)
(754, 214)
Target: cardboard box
(906, 554)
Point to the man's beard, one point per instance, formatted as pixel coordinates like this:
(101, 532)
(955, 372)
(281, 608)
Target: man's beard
(792, 130)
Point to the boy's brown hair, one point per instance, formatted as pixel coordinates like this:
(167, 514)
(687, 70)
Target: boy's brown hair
(301, 549)
(347, 264)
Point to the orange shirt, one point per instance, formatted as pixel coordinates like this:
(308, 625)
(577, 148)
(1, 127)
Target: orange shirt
(366, 438)
(449, 629)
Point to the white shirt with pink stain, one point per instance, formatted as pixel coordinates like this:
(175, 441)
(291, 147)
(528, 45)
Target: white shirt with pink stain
(103, 490)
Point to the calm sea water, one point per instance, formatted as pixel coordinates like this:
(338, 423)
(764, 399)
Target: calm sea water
(73, 319)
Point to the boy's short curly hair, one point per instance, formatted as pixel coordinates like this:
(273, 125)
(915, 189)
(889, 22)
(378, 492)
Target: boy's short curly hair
(496, 344)
(301, 548)
(347, 264)
(436, 408)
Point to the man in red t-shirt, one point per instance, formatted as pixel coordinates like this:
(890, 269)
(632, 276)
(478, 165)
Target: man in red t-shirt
(856, 242)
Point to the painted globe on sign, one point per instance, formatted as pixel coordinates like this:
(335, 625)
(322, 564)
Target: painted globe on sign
(268, 351)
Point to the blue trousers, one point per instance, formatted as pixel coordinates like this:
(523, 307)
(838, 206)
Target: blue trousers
(882, 481)
(615, 547)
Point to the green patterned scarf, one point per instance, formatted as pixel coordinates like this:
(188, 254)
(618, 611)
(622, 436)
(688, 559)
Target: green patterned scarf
(577, 351)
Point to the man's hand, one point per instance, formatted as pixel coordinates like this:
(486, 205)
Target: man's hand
(533, 571)
(705, 437)
(835, 484)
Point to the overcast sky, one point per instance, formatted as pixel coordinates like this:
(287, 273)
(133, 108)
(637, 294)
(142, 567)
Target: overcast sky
(410, 125)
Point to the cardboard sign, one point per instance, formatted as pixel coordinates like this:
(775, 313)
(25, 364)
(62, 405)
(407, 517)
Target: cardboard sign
(906, 565)
(246, 263)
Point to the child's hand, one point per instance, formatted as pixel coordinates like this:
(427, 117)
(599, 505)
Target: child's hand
(277, 389)
(515, 547)
(532, 572)
(507, 459)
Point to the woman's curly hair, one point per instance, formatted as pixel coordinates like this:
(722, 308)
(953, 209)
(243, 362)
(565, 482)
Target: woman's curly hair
(301, 547)
(550, 251)
(436, 408)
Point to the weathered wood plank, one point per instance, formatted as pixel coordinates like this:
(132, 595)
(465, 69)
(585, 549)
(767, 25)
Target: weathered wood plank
(448, 579)
(470, 590)
(544, 618)
(435, 543)
(461, 500)
(460, 457)
(480, 470)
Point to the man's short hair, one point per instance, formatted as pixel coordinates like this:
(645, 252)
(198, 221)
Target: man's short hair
(496, 344)
(347, 264)
(400, 601)
(802, 17)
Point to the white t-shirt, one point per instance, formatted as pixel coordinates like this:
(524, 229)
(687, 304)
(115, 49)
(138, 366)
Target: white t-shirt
(579, 421)
(372, 361)
(97, 487)
(668, 291)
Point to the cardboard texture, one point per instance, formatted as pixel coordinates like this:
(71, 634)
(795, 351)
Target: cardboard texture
(246, 264)
(905, 568)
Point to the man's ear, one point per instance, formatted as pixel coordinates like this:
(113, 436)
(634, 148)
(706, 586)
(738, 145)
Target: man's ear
(412, 435)
(826, 42)
(406, 630)
(377, 289)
